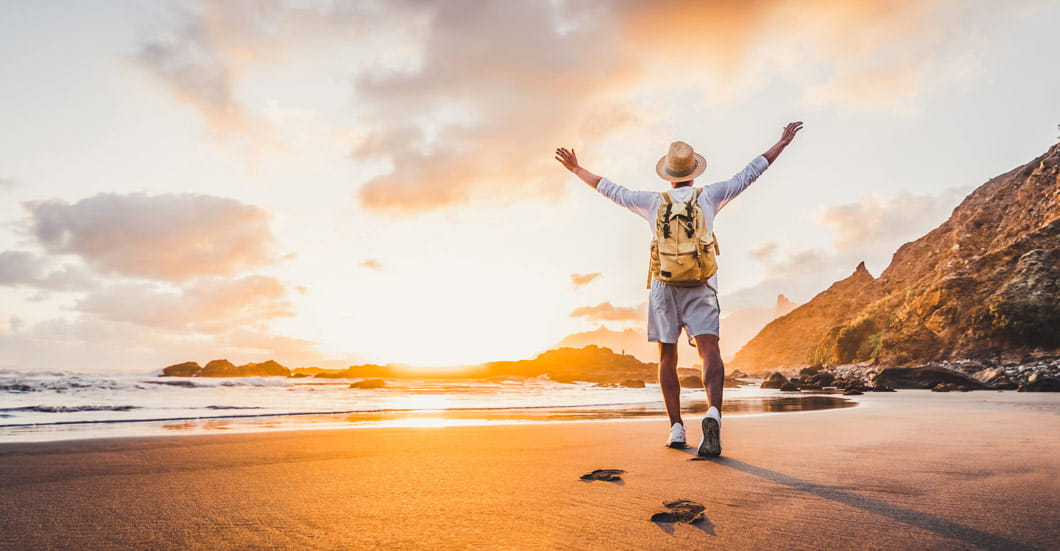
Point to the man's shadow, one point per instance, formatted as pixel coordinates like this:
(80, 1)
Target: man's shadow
(940, 526)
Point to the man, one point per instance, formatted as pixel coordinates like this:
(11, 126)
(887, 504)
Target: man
(692, 307)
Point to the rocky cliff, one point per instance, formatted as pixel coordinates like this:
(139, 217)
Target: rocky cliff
(985, 282)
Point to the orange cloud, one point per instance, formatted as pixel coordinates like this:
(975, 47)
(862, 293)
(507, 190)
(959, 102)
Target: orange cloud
(498, 84)
(581, 280)
(888, 221)
(462, 103)
(606, 311)
(869, 55)
(371, 264)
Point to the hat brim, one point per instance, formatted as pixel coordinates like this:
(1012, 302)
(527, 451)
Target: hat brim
(701, 166)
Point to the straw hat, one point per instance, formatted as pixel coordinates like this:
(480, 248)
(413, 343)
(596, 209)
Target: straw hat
(681, 163)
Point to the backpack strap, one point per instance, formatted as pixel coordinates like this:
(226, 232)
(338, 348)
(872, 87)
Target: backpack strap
(690, 210)
(669, 202)
(665, 213)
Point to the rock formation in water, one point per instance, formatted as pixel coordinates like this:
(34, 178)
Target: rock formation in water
(225, 368)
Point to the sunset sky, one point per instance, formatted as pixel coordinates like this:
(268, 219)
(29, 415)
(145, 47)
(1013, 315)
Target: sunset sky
(327, 183)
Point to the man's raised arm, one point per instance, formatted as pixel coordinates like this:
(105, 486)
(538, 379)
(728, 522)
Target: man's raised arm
(639, 202)
(722, 193)
(569, 160)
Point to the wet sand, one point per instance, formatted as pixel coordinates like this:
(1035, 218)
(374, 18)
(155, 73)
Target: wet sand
(902, 471)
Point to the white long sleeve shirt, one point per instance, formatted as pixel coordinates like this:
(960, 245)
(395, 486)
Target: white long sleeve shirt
(711, 199)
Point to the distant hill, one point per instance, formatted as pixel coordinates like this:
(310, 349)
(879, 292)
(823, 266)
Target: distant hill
(985, 282)
(737, 327)
(590, 363)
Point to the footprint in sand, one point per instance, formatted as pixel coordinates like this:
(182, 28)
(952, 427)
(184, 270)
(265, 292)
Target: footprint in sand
(688, 512)
(606, 475)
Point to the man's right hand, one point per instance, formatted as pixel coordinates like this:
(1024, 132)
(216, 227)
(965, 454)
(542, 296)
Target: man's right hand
(567, 158)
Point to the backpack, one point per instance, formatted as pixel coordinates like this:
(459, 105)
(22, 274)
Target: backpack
(683, 250)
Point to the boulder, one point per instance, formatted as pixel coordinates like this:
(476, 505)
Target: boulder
(986, 376)
(369, 383)
(219, 368)
(941, 387)
(691, 381)
(263, 369)
(808, 372)
(852, 392)
(881, 388)
(186, 369)
(923, 377)
(1003, 383)
(789, 387)
(1041, 384)
(775, 380)
(632, 383)
(821, 379)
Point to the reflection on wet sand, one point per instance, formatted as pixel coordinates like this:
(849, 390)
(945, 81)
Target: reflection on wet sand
(478, 416)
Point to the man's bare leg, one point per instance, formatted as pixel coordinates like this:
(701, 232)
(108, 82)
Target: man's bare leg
(713, 369)
(671, 387)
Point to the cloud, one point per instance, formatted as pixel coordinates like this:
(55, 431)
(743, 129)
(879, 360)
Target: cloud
(209, 304)
(90, 343)
(870, 55)
(876, 221)
(606, 311)
(371, 264)
(801, 274)
(205, 53)
(189, 60)
(166, 237)
(870, 230)
(581, 280)
(461, 102)
(22, 268)
(477, 119)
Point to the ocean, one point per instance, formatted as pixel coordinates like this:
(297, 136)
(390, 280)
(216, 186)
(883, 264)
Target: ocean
(50, 405)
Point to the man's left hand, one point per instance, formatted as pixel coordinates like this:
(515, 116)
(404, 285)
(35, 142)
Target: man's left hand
(789, 132)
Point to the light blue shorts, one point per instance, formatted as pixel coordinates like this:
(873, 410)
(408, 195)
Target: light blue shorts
(671, 308)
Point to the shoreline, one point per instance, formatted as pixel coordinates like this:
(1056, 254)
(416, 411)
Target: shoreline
(767, 402)
(66, 431)
(932, 472)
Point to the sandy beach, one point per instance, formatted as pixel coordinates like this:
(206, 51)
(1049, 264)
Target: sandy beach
(902, 471)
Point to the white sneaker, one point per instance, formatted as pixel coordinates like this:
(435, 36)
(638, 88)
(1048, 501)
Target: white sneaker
(677, 436)
(710, 445)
